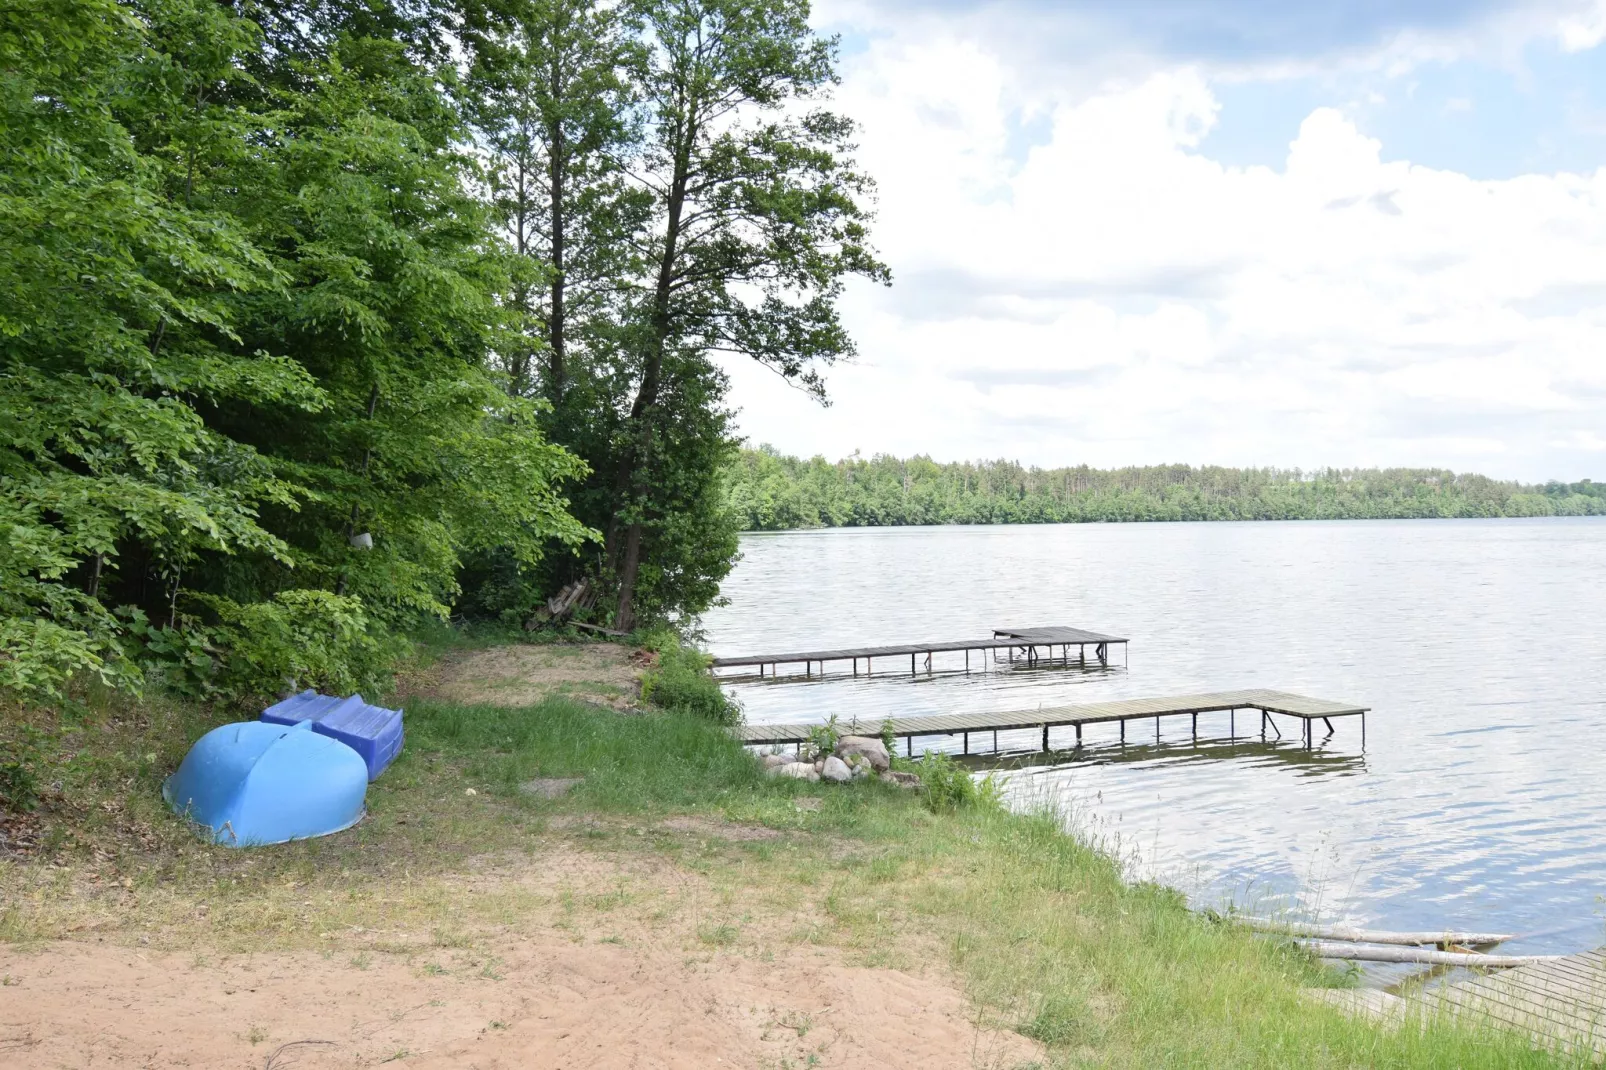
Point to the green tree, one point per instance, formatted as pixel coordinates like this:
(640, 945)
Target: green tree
(758, 218)
(115, 336)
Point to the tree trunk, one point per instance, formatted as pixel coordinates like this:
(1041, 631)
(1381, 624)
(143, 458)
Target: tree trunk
(628, 482)
(625, 617)
(555, 355)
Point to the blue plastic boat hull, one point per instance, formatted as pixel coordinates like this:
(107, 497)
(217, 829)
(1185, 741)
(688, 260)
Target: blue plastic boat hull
(253, 784)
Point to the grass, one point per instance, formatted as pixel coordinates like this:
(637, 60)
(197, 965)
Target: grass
(1038, 925)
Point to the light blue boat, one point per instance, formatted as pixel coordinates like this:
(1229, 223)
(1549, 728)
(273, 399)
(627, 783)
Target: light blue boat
(253, 784)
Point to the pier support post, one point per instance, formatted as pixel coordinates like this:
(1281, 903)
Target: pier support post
(1196, 728)
(1045, 739)
(1232, 724)
(1123, 731)
(1079, 736)
(967, 743)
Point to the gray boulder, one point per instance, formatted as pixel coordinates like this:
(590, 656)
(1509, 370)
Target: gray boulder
(797, 770)
(772, 761)
(902, 780)
(836, 769)
(868, 747)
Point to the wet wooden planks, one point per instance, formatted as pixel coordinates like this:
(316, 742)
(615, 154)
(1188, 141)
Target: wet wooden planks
(1268, 701)
(1560, 1005)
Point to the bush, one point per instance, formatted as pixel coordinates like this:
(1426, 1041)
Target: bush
(949, 785)
(682, 681)
(19, 784)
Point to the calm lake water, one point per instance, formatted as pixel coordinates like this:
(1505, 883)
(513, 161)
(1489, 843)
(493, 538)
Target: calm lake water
(1479, 801)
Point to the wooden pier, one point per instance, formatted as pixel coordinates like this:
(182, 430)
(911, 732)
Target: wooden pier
(1307, 710)
(1560, 1004)
(1034, 646)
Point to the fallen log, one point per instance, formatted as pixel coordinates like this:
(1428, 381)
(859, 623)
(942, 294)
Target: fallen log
(1419, 956)
(1374, 936)
(597, 628)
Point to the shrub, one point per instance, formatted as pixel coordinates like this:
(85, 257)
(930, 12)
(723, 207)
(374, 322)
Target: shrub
(823, 738)
(681, 681)
(949, 785)
(19, 784)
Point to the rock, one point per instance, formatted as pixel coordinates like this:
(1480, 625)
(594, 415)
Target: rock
(861, 768)
(771, 761)
(550, 787)
(836, 769)
(867, 746)
(902, 780)
(819, 765)
(799, 770)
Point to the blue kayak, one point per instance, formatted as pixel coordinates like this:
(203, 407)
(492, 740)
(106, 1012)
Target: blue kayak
(253, 784)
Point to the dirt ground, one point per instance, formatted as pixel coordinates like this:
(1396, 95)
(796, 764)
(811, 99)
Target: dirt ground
(605, 673)
(589, 959)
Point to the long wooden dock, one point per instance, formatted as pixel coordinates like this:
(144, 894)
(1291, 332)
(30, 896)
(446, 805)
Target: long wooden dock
(1559, 1004)
(1031, 645)
(1306, 709)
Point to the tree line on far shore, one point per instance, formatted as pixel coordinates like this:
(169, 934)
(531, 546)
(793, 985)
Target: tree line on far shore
(771, 492)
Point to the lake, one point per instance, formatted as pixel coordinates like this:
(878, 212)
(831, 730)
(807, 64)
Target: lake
(1480, 646)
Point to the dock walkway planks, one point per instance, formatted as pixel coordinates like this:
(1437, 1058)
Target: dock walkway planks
(1559, 1005)
(1123, 710)
(1027, 639)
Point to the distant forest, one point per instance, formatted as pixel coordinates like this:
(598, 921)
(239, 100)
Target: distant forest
(771, 492)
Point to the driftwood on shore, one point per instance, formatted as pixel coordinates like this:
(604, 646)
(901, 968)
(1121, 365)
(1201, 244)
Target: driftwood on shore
(1421, 956)
(1374, 936)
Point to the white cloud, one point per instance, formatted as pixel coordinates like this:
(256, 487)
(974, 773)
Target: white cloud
(1118, 297)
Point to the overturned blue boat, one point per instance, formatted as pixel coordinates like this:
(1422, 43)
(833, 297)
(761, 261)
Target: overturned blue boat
(253, 784)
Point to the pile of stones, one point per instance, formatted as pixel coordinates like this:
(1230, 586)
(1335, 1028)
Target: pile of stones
(855, 758)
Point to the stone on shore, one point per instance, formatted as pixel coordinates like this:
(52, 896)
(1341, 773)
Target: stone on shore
(902, 780)
(867, 746)
(773, 761)
(798, 770)
(835, 769)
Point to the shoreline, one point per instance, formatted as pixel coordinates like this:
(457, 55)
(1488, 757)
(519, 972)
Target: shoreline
(674, 849)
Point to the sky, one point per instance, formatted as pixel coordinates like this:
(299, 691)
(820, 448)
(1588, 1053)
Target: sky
(1241, 232)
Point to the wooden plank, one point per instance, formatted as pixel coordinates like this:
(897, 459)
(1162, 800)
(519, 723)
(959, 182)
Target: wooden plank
(1559, 1003)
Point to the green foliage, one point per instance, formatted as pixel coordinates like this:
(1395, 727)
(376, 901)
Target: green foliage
(770, 492)
(681, 681)
(889, 738)
(948, 786)
(19, 780)
(823, 738)
(248, 304)
(297, 640)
